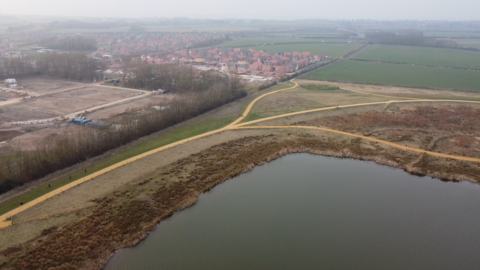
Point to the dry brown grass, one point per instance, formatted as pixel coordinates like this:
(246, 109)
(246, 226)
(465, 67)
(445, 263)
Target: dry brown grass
(446, 128)
(400, 91)
(124, 217)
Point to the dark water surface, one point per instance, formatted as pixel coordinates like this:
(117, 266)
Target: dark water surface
(312, 212)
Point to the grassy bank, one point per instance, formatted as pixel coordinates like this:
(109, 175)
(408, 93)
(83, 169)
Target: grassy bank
(177, 134)
(136, 149)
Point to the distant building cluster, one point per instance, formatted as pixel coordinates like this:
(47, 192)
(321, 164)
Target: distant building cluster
(11, 54)
(121, 45)
(115, 47)
(240, 61)
(196, 49)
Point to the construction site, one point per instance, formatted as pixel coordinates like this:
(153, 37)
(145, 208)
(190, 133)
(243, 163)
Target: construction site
(47, 107)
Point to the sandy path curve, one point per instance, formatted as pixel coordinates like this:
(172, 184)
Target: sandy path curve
(236, 126)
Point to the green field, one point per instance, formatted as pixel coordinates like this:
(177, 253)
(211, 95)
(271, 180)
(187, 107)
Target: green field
(201, 29)
(399, 75)
(261, 41)
(452, 34)
(316, 87)
(333, 50)
(308, 34)
(245, 42)
(422, 56)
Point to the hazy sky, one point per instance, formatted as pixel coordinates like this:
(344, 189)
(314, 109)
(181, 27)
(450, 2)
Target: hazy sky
(261, 9)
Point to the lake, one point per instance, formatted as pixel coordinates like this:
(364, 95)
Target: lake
(312, 212)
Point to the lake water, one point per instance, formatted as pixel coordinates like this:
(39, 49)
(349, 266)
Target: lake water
(312, 212)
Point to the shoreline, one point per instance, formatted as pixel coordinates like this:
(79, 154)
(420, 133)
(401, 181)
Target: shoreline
(120, 223)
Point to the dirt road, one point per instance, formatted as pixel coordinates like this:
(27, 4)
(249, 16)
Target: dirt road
(141, 94)
(366, 138)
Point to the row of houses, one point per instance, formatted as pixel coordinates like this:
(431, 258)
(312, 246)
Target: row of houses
(11, 54)
(121, 45)
(240, 61)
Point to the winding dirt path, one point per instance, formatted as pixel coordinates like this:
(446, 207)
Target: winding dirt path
(237, 126)
(366, 138)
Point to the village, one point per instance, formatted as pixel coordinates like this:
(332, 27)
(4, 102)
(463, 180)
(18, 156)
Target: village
(241, 61)
(196, 49)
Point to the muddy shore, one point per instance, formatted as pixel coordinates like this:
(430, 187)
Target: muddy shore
(125, 217)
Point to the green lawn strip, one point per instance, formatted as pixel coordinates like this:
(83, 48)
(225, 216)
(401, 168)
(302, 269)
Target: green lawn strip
(253, 116)
(141, 147)
(399, 75)
(451, 34)
(317, 87)
(422, 56)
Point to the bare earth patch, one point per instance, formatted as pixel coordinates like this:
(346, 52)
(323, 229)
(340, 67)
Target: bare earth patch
(41, 86)
(63, 103)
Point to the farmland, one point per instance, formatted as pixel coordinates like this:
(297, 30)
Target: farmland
(260, 41)
(268, 41)
(335, 51)
(422, 56)
(452, 34)
(307, 34)
(399, 75)
(469, 43)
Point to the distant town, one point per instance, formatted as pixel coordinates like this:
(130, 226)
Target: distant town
(198, 50)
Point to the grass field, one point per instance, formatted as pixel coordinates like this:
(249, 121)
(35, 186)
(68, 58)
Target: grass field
(308, 34)
(422, 56)
(317, 87)
(452, 34)
(245, 42)
(333, 50)
(200, 29)
(399, 75)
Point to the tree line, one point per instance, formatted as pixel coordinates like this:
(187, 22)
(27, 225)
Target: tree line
(83, 24)
(15, 68)
(409, 38)
(20, 166)
(71, 66)
(69, 43)
(417, 41)
(171, 77)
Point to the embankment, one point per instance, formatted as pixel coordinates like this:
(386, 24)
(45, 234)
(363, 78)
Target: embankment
(126, 216)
